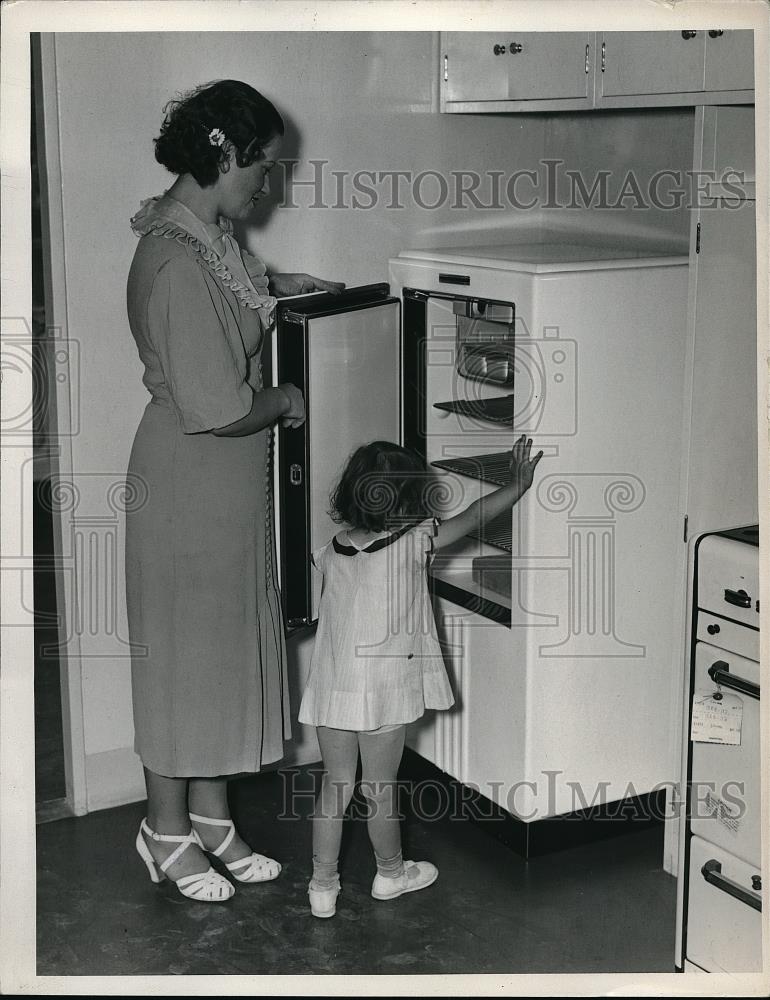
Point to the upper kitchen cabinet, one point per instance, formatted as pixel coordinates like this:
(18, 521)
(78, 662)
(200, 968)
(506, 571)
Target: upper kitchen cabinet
(729, 62)
(516, 71)
(657, 68)
(573, 70)
(633, 63)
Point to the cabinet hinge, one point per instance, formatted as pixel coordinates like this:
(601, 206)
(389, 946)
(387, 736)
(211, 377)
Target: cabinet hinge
(697, 238)
(684, 533)
(446, 68)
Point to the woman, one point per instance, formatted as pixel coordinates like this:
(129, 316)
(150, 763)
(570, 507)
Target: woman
(209, 663)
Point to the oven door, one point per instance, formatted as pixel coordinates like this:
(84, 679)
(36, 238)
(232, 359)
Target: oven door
(725, 779)
(724, 913)
(344, 353)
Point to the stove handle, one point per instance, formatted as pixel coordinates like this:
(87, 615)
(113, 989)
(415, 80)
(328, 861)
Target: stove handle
(738, 597)
(719, 672)
(712, 872)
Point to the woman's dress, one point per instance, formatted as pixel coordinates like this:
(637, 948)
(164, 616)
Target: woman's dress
(209, 680)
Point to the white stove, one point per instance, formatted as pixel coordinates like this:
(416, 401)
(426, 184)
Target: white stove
(720, 884)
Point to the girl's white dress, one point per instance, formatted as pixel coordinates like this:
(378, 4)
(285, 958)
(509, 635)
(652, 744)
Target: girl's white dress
(377, 660)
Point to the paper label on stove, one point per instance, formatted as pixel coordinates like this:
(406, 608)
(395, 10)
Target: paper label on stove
(720, 811)
(716, 720)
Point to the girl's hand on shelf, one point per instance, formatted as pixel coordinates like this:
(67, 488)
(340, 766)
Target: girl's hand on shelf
(521, 465)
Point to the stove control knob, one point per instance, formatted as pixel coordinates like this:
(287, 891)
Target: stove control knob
(756, 883)
(713, 629)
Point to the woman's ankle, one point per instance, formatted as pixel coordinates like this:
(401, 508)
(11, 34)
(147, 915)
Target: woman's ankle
(171, 826)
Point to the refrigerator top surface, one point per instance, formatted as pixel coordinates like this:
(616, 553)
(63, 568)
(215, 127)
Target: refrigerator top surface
(536, 258)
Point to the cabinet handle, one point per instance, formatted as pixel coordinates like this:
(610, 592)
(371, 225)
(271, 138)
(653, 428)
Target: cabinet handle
(716, 33)
(689, 34)
(712, 872)
(586, 58)
(713, 630)
(719, 672)
(738, 597)
(604, 55)
(515, 48)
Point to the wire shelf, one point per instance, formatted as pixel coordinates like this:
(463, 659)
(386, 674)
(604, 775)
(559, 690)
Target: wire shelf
(494, 468)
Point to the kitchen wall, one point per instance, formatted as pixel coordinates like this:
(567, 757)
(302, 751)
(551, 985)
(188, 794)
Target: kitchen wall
(645, 155)
(358, 102)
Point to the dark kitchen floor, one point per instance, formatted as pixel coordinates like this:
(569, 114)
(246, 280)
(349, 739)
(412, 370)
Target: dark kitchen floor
(601, 907)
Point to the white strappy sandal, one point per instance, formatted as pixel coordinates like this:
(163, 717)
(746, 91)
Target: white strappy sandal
(206, 887)
(253, 868)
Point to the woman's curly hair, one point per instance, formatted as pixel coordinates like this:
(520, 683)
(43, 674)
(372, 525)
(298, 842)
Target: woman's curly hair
(248, 120)
(382, 486)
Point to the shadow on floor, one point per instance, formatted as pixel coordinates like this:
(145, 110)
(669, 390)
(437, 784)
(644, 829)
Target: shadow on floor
(602, 907)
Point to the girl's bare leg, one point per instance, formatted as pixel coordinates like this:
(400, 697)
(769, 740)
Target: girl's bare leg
(380, 757)
(339, 749)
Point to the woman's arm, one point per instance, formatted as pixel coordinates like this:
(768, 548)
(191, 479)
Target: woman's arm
(284, 285)
(488, 507)
(268, 405)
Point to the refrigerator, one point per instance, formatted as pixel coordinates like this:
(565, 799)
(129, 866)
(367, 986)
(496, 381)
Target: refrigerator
(559, 619)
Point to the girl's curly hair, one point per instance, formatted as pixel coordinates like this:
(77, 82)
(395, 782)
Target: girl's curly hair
(382, 486)
(248, 120)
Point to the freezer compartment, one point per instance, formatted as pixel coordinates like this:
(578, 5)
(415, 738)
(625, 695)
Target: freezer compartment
(725, 779)
(343, 353)
(728, 579)
(724, 911)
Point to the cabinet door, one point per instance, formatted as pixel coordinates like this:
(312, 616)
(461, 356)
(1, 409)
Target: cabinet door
(722, 464)
(649, 62)
(730, 61)
(515, 66)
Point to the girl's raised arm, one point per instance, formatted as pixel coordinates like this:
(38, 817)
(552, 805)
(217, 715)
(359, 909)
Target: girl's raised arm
(522, 473)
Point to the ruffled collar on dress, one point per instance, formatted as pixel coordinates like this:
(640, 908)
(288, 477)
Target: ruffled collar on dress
(242, 272)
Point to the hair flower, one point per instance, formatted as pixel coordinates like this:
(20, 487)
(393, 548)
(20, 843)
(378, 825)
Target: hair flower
(216, 137)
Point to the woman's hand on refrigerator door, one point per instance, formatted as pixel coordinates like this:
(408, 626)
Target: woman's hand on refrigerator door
(283, 285)
(295, 414)
(522, 465)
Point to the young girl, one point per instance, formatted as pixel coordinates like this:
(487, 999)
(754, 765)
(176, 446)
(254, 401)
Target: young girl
(377, 663)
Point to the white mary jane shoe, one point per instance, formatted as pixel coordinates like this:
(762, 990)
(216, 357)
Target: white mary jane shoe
(205, 887)
(416, 875)
(253, 868)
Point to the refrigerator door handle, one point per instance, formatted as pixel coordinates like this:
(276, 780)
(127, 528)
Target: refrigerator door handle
(712, 872)
(719, 672)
